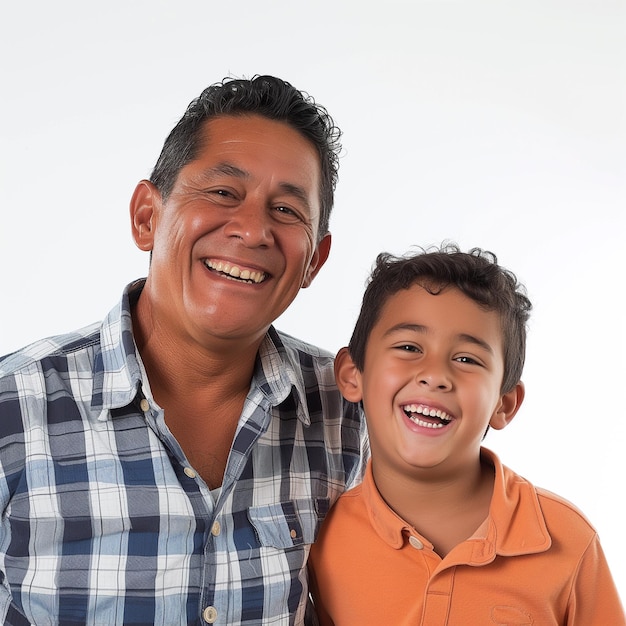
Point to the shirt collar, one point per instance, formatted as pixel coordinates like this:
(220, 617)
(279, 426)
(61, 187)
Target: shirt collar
(515, 524)
(386, 522)
(118, 374)
(279, 372)
(116, 370)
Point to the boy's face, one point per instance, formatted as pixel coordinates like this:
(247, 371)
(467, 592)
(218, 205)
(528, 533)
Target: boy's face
(431, 382)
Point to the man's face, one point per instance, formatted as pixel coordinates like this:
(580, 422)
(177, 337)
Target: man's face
(236, 238)
(431, 383)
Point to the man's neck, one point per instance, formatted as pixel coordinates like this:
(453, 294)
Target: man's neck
(202, 390)
(182, 367)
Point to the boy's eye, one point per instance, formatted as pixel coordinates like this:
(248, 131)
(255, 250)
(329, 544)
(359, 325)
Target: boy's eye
(407, 347)
(466, 359)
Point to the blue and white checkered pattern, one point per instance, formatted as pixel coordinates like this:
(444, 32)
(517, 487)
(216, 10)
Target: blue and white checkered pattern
(103, 521)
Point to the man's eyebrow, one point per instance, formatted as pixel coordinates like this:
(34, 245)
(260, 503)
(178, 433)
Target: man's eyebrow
(226, 169)
(419, 328)
(297, 192)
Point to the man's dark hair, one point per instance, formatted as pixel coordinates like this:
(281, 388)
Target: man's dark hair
(475, 273)
(269, 97)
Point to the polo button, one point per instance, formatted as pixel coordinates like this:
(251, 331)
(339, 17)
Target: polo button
(293, 533)
(416, 543)
(209, 615)
(144, 405)
(216, 529)
(189, 472)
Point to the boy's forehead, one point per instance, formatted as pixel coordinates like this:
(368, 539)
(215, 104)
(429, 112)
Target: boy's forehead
(429, 305)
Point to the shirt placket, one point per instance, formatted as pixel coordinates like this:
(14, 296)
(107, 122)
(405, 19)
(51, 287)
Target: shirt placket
(438, 591)
(217, 603)
(205, 509)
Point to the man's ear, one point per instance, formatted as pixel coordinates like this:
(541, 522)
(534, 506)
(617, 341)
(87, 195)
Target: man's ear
(320, 257)
(142, 214)
(348, 376)
(508, 406)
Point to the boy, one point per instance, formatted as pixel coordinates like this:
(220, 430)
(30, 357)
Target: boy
(440, 532)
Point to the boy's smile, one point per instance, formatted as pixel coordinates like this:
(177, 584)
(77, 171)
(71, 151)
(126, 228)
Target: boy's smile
(431, 382)
(427, 416)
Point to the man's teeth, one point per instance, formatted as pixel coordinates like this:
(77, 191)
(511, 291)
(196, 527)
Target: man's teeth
(413, 410)
(234, 272)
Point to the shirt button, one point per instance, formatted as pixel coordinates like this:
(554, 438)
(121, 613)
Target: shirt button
(293, 533)
(144, 405)
(209, 615)
(189, 472)
(216, 529)
(416, 543)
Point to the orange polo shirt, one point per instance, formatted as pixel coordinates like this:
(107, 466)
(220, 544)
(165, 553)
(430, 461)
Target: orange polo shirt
(536, 560)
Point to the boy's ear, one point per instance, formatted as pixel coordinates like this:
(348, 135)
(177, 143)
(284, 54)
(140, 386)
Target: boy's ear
(348, 376)
(508, 406)
(142, 210)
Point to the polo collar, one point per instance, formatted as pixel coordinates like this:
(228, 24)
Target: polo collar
(515, 524)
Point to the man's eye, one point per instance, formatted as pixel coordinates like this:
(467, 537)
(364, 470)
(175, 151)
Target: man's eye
(286, 213)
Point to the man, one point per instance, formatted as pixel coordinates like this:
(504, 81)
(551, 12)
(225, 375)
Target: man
(172, 465)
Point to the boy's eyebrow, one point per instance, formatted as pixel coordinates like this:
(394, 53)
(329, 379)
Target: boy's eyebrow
(477, 341)
(416, 328)
(419, 328)
(228, 169)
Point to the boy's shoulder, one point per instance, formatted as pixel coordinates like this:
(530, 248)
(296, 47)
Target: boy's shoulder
(526, 515)
(534, 507)
(557, 510)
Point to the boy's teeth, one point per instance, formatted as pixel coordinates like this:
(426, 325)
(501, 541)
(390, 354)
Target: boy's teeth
(420, 409)
(420, 422)
(235, 272)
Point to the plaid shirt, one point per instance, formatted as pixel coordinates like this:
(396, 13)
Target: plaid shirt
(104, 521)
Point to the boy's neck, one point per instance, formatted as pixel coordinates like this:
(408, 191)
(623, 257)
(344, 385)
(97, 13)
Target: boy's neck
(445, 510)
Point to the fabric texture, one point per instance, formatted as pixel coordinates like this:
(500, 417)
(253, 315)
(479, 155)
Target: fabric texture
(536, 560)
(104, 521)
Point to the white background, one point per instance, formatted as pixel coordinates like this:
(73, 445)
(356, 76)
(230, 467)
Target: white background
(494, 124)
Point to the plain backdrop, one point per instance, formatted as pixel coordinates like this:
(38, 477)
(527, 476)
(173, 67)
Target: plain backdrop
(494, 124)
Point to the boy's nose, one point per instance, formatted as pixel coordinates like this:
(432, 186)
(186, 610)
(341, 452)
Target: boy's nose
(434, 378)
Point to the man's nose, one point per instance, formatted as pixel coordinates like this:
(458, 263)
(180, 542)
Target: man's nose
(252, 223)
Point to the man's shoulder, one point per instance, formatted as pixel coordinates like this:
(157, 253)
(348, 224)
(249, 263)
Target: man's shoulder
(56, 346)
(78, 345)
(302, 347)
(308, 366)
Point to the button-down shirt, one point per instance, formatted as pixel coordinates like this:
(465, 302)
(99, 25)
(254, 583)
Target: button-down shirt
(104, 521)
(535, 560)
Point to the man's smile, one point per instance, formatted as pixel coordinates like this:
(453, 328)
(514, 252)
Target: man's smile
(234, 272)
